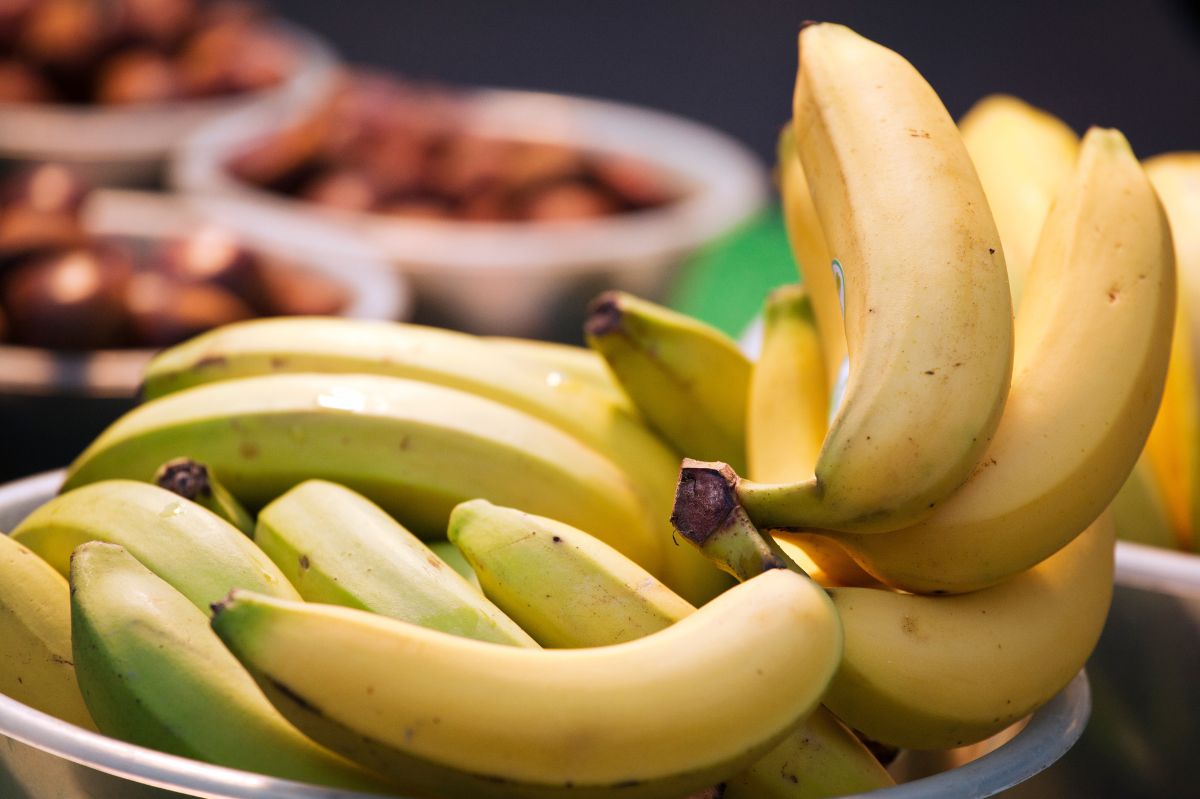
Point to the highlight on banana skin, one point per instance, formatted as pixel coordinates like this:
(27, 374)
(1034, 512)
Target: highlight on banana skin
(391, 558)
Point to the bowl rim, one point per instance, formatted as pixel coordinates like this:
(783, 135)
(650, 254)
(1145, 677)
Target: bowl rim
(377, 292)
(728, 184)
(1049, 733)
(76, 133)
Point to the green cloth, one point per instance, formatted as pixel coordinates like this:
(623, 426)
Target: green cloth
(726, 282)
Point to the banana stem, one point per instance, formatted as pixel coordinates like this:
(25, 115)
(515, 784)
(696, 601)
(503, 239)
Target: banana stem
(708, 515)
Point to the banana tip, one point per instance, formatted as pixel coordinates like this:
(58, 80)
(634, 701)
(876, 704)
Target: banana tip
(604, 315)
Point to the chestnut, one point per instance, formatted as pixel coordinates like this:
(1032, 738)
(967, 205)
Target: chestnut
(346, 189)
(138, 76)
(40, 209)
(164, 311)
(294, 292)
(69, 300)
(156, 23)
(639, 184)
(234, 56)
(12, 18)
(532, 163)
(66, 34)
(567, 201)
(216, 256)
(20, 83)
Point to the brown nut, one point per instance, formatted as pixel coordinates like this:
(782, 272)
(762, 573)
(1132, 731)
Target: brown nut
(567, 201)
(295, 292)
(39, 209)
(20, 83)
(216, 256)
(12, 18)
(639, 184)
(138, 76)
(416, 208)
(234, 56)
(67, 34)
(69, 300)
(345, 189)
(156, 23)
(165, 311)
(532, 163)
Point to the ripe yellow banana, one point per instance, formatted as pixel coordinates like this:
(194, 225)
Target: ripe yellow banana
(928, 317)
(200, 554)
(414, 448)
(454, 360)
(153, 673)
(1022, 154)
(531, 565)
(338, 547)
(931, 672)
(811, 252)
(1103, 282)
(686, 378)
(1173, 448)
(35, 636)
(665, 715)
(555, 361)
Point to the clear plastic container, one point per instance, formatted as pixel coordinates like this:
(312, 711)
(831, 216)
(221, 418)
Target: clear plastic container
(44, 758)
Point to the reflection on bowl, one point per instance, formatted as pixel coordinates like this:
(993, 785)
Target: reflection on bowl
(53, 402)
(128, 144)
(504, 276)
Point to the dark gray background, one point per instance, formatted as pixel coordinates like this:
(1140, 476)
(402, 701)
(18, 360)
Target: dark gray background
(1132, 65)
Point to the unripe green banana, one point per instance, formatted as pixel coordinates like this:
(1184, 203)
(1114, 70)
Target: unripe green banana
(665, 715)
(928, 317)
(932, 672)
(563, 586)
(453, 558)
(153, 674)
(338, 547)
(454, 360)
(195, 481)
(200, 554)
(530, 566)
(414, 448)
(686, 378)
(35, 636)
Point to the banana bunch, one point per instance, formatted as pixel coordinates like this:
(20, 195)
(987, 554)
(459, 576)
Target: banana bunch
(443, 565)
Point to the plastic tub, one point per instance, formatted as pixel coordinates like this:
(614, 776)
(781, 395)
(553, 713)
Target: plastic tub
(512, 278)
(44, 758)
(129, 146)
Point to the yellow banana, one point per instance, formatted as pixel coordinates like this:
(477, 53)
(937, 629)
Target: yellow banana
(414, 448)
(455, 360)
(928, 317)
(811, 251)
(531, 565)
(154, 674)
(200, 554)
(1139, 510)
(686, 378)
(1022, 154)
(1103, 282)
(338, 547)
(35, 636)
(555, 361)
(931, 672)
(665, 715)
(1173, 448)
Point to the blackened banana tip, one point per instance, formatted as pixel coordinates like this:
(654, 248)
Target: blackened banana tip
(604, 315)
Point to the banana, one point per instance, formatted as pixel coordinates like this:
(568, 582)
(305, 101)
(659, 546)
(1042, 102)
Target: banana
(153, 674)
(201, 555)
(688, 379)
(928, 317)
(196, 482)
(531, 564)
(564, 587)
(1022, 154)
(788, 406)
(1139, 510)
(555, 361)
(1102, 282)
(811, 252)
(414, 448)
(1175, 439)
(338, 547)
(665, 715)
(455, 560)
(921, 672)
(35, 636)
(454, 360)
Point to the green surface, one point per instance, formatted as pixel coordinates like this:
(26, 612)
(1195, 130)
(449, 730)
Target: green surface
(725, 283)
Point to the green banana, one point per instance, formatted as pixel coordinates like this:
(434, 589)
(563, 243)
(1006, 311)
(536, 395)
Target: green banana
(688, 379)
(933, 672)
(531, 565)
(35, 636)
(668, 714)
(153, 673)
(338, 547)
(453, 558)
(454, 360)
(195, 481)
(200, 554)
(414, 448)
(562, 585)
